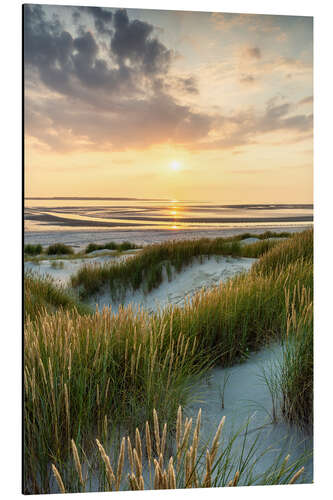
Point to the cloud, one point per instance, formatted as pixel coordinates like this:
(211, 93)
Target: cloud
(132, 41)
(247, 79)
(306, 100)
(102, 18)
(116, 102)
(246, 127)
(113, 90)
(253, 52)
(133, 125)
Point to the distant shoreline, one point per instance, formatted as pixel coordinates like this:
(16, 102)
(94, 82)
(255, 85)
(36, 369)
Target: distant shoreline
(62, 221)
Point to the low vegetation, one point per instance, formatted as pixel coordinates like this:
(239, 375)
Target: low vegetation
(121, 247)
(296, 374)
(144, 462)
(42, 295)
(59, 249)
(146, 268)
(73, 359)
(33, 249)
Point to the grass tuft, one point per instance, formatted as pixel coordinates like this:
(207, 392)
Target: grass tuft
(59, 249)
(125, 245)
(33, 249)
(146, 268)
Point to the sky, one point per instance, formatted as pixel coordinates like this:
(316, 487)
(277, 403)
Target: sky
(178, 105)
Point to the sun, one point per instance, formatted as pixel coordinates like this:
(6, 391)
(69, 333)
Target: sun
(175, 165)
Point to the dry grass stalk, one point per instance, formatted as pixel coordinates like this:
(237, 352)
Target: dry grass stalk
(197, 427)
(133, 482)
(178, 427)
(138, 464)
(148, 443)
(164, 481)
(58, 479)
(138, 443)
(164, 433)
(161, 461)
(171, 475)
(120, 466)
(109, 471)
(156, 432)
(130, 454)
(157, 475)
(296, 476)
(215, 443)
(67, 410)
(187, 430)
(77, 462)
(207, 482)
(234, 481)
(188, 468)
(105, 427)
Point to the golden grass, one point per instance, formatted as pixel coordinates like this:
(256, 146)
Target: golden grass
(182, 470)
(72, 363)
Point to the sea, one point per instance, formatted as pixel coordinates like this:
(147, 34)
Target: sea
(81, 220)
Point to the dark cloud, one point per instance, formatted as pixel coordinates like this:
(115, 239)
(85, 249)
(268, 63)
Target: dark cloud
(189, 85)
(117, 102)
(76, 14)
(182, 85)
(115, 91)
(102, 18)
(62, 60)
(132, 41)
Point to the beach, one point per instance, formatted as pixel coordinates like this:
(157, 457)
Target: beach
(247, 399)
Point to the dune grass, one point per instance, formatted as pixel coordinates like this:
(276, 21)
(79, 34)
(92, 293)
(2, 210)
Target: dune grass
(59, 249)
(296, 374)
(144, 462)
(122, 247)
(42, 294)
(33, 249)
(147, 266)
(73, 385)
(73, 360)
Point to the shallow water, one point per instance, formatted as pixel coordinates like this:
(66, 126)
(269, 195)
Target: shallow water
(61, 213)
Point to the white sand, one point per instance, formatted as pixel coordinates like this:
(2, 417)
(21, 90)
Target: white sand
(184, 284)
(71, 266)
(246, 396)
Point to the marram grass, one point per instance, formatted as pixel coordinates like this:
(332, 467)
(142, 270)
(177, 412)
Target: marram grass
(144, 462)
(42, 294)
(146, 267)
(87, 372)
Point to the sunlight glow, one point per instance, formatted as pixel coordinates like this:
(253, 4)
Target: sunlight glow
(175, 165)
